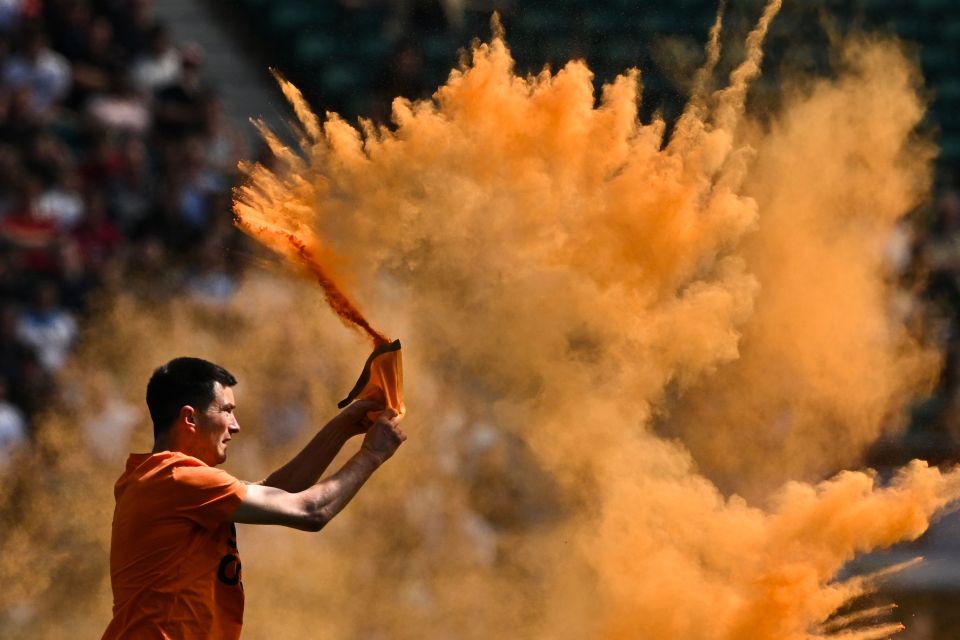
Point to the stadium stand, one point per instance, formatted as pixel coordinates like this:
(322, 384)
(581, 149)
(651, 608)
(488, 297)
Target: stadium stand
(114, 158)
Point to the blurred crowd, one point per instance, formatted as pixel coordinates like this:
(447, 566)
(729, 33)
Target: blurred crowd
(936, 260)
(116, 165)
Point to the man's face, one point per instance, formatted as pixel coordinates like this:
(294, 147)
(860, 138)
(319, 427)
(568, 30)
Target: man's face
(216, 426)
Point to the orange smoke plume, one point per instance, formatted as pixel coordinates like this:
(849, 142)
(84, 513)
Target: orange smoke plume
(601, 283)
(259, 210)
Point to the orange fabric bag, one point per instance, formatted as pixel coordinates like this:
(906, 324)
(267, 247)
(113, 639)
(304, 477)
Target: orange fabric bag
(381, 379)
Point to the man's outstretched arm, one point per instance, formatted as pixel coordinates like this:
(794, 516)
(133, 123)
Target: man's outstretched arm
(313, 508)
(305, 468)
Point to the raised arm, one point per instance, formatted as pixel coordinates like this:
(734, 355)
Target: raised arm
(305, 468)
(312, 508)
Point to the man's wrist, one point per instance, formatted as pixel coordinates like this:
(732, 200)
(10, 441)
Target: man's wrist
(371, 456)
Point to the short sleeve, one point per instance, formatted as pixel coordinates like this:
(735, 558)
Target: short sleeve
(206, 495)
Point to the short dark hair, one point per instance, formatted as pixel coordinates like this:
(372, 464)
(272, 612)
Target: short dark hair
(181, 382)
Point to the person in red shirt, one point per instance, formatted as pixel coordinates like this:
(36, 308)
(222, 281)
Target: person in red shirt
(174, 564)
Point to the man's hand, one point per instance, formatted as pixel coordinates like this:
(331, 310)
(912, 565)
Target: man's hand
(354, 417)
(384, 437)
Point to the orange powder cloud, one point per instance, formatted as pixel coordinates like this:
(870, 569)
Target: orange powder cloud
(583, 277)
(634, 364)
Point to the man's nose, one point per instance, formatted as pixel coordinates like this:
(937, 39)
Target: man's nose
(234, 426)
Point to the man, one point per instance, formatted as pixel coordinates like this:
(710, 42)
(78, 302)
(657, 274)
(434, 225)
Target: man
(174, 564)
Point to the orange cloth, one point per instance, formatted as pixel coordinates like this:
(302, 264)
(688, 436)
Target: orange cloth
(381, 379)
(174, 564)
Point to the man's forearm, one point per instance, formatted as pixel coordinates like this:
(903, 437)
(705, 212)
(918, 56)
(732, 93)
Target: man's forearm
(328, 498)
(306, 467)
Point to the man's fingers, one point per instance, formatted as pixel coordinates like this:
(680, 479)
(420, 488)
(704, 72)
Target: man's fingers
(394, 431)
(389, 420)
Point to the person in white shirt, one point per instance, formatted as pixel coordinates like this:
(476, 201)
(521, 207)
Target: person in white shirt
(160, 64)
(49, 329)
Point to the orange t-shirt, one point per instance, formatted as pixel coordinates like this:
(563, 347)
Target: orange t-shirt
(174, 564)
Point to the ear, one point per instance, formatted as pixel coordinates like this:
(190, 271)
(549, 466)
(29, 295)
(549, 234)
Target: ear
(188, 416)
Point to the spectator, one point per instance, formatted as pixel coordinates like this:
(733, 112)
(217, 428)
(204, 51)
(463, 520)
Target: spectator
(181, 105)
(95, 64)
(11, 175)
(159, 65)
(13, 286)
(27, 233)
(132, 21)
(39, 69)
(30, 387)
(68, 22)
(78, 276)
(132, 191)
(21, 123)
(48, 328)
(14, 353)
(61, 202)
(121, 108)
(97, 236)
(46, 156)
(35, 390)
(225, 147)
(12, 13)
(192, 187)
(104, 162)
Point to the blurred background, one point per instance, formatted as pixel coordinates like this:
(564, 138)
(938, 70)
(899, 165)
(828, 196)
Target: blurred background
(122, 123)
